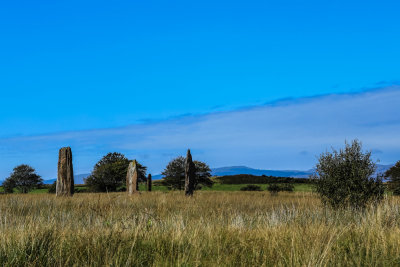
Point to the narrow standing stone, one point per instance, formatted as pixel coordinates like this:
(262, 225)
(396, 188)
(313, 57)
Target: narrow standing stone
(65, 176)
(190, 175)
(132, 185)
(149, 183)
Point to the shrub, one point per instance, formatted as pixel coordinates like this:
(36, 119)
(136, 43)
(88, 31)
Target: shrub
(251, 187)
(344, 178)
(287, 187)
(8, 186)
(274, 189)
(393, 174)
(82, 190)
(396, 191)
(52, 188)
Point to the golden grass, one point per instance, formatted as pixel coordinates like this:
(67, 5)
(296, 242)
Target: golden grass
(210, 229)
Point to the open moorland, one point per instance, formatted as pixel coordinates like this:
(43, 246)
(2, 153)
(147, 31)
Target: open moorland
(209, 229)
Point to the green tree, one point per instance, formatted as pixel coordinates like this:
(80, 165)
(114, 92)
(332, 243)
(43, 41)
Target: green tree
(22, 178)
(8, 186)
(109, 173)
(345, 178)
(174, 174)
(393, 174)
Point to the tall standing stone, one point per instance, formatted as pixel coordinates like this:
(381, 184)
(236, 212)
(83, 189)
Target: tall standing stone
(149, 183)
(65, 176)
(132, 185)
(190, 174)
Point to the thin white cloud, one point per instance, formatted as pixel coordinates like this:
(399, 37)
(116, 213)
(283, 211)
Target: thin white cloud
(272, 136)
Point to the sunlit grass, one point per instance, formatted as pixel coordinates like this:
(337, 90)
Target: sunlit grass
(210, 229)
(215, 187)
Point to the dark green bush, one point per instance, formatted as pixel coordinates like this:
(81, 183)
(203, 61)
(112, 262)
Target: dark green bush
(52, 188)
(251, 187)
(396, 191)
(287, 187)
(274, 189)
(345, 178)
(8, 186)
(393, 174)
(82, 190)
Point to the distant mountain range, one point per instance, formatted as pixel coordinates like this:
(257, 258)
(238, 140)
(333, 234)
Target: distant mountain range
(233, 170)
(282, 173)
(78, 179)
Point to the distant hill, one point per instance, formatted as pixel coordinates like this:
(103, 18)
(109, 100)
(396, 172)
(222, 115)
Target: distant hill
(78, 179)
(234, 170)
(255, 179)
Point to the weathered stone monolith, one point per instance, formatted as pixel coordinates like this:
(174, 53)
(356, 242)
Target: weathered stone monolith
(190, 175)
(65, 176)
(132, 185)
(149, 183)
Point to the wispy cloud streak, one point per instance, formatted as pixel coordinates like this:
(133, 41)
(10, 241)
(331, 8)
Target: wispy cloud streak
(282, 135)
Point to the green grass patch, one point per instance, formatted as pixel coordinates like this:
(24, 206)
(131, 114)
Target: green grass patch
(216, 187)
(236, 187)
(39, 191)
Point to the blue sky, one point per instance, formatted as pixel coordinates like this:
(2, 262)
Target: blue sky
(69, 68)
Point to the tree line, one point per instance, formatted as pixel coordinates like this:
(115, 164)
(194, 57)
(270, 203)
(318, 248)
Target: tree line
(343, 178)
(109, 175)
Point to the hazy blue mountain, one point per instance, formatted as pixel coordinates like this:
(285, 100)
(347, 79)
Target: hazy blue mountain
(246, 170)
(232, 170)
(283, 173)
(78, 179)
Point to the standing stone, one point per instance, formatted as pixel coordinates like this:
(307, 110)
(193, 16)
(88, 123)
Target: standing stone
(149, 183)
(65, 176)
(132, 185)
(190, 175)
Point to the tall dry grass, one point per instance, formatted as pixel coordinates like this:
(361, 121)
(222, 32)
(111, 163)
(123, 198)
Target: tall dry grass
(210, 229)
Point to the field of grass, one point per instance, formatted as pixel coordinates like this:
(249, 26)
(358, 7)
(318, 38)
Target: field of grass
(216, 187)
(210, 229)
(233, 187)
(236, 187)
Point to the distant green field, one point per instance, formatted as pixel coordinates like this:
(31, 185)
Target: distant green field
(236, 187)
(215, 187)
(142, 187)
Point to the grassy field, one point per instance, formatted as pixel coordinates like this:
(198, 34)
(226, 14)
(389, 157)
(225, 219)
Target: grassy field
(210, 229)
(236, 187)
(216, 187)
